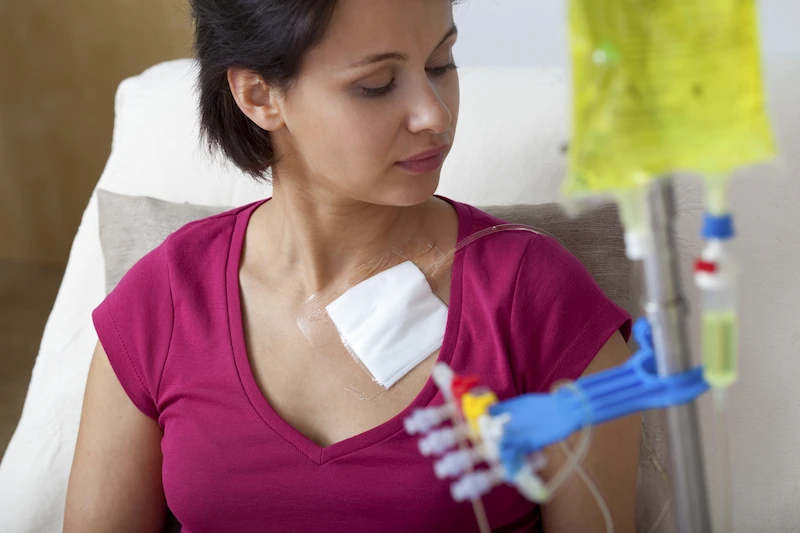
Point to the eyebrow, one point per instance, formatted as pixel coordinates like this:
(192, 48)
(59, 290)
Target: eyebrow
(384, 56)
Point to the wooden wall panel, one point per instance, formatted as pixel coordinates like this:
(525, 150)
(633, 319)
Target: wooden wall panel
(60, 64)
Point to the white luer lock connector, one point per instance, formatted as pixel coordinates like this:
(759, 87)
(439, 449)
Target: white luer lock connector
(491, 429)
(638, 245)
(723, 276)
(443, 377)
(528, 482)
(457, 463)
(424, 420)
(439, 441)
(476, 484)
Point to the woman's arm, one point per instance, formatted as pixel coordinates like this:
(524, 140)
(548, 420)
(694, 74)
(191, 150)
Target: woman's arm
(115, 483)
(612, 463)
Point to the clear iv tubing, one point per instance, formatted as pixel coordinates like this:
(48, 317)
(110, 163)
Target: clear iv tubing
(724, 457)
(477, 504)
(575, 458)
(638, 244)
(483, 233)
(667, 482)
(720, 342)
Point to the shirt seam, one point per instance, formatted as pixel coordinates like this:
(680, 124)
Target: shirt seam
(514, 302)
(598, 313)
(171, 336)
(127, 352)
(242, 383)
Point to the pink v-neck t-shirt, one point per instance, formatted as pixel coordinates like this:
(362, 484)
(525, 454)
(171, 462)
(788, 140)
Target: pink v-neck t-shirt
(523, 314)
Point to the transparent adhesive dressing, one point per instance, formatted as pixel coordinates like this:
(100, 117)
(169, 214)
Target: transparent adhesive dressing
(388, 317)
(362, 327)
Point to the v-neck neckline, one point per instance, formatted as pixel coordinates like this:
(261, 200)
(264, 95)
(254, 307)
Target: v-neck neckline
(316, 453)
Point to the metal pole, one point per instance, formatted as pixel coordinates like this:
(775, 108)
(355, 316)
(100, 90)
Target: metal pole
(667, 310)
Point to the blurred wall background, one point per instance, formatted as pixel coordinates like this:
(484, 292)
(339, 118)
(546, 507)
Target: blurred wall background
(61, 61)
(534, 32)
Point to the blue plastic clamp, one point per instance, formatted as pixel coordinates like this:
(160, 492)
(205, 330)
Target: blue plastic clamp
(717, 227)
(538, 420)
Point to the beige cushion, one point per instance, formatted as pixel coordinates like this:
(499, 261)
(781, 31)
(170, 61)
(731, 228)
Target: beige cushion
(595, 238)
(131, 226)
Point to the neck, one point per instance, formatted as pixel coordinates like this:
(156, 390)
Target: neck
(326, 239)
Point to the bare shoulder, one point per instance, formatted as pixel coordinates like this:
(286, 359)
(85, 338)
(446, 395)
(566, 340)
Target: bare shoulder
(442, 221)
(115, 482)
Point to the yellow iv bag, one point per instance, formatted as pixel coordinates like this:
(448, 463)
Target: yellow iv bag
(662, 86)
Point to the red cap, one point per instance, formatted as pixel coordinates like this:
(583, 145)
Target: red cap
(705, 266)
(462, 385)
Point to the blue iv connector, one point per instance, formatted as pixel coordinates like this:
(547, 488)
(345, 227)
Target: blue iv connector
(717, 227)
(538, 420)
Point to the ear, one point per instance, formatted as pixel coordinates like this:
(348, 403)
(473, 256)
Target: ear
(256, 98)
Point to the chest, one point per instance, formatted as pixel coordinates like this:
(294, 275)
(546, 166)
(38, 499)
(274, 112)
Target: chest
(310, 378)
(259, 438)
(262, 483)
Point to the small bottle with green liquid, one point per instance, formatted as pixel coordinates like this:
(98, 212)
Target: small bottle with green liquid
(715, 275)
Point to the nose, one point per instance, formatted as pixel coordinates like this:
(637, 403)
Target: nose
(428, 112)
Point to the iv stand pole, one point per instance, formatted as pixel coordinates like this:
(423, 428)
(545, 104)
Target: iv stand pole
(667, 310)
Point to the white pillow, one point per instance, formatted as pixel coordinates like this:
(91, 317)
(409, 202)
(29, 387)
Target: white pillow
(496, 156)
(497, 159)
(156, 150)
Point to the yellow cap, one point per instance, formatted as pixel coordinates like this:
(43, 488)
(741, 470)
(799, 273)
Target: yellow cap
(474, 405)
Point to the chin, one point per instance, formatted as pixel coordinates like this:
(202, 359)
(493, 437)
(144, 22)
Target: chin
(416, 191)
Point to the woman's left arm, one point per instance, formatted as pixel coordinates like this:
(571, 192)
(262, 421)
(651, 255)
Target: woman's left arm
(612, 463)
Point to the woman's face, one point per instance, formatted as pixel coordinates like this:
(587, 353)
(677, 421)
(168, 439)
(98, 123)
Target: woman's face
(374, 110)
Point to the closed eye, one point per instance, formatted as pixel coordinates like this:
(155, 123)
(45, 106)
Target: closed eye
(378, 91)
(441, 71)
(436, 72)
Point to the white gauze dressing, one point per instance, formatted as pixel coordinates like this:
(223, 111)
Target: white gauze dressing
(390, 322)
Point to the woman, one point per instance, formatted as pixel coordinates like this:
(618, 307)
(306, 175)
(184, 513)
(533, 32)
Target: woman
(205, 397)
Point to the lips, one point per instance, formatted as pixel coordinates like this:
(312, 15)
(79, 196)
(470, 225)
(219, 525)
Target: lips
(424, 162)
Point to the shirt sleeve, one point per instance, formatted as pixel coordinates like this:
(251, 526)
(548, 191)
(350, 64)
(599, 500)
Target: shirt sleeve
(560, 317)
(134, 325)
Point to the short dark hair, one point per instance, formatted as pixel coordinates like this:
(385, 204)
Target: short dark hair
(269, 37)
